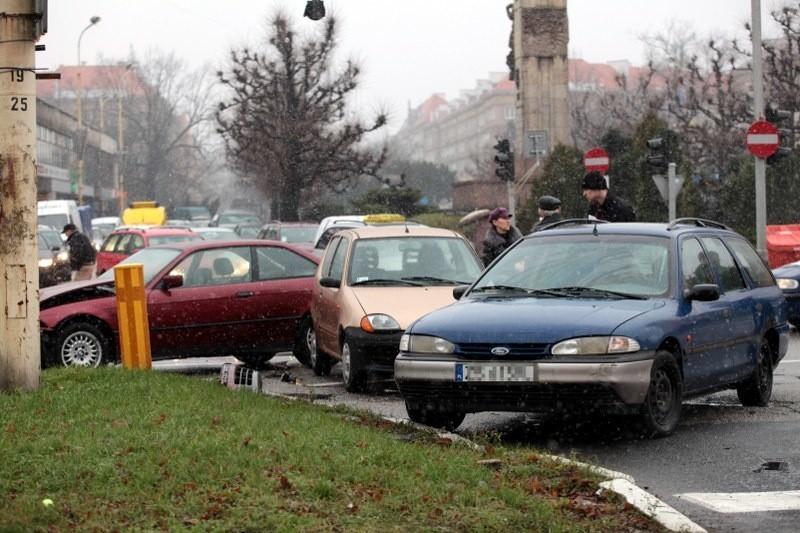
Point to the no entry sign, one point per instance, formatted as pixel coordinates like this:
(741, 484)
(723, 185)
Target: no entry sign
(596, 159)
(762, 139)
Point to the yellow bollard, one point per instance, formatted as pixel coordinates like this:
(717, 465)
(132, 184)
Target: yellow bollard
(134, 331)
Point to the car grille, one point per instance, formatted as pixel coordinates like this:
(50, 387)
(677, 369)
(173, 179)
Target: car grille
(515, 351)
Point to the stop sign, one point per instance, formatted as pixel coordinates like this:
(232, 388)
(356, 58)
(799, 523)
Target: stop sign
(596, 159)
(762, 139)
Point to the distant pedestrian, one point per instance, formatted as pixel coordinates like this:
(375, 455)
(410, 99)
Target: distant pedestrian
(602, 204)
(82, 254)
(549, 212)
(500, 235)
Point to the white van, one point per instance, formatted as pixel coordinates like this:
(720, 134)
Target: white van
(58, 213)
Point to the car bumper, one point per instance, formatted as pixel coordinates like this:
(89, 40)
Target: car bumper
(377, 351)
(428, 383)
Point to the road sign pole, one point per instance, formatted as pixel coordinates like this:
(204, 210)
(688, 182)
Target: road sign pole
(671, 190)
(758, 106)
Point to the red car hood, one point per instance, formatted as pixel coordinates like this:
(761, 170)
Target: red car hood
(56, 290)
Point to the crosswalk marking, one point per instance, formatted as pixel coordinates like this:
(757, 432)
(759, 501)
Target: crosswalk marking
(745, 502)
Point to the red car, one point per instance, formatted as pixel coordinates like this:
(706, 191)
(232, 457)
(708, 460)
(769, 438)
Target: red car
(126, 240)
(247, 298)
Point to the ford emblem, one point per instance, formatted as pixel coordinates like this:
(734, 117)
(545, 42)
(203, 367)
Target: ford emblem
(500, 350)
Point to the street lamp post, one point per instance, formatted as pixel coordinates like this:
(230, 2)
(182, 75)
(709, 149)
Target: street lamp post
(81, 134)
(120, 149)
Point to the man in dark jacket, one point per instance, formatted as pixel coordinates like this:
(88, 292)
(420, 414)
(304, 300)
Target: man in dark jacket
(549, 212)
(602, 204)
(500, 235)
(82, 254)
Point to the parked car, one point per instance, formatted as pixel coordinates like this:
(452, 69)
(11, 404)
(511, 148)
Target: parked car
(195, 215)
(53, 258)
(232, 217)
(125, 240)
(247, 298)
(102, 227)
(216, 234)
(248, 230)
(626, 319)
(375, 281)
(330, 226)
(300, 234)
(788, 277)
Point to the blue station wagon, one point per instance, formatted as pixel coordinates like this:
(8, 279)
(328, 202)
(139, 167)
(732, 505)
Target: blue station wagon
(587, 316)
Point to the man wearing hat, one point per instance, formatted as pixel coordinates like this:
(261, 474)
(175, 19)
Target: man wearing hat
(549, 212)
(602, 204)
(500, 235)
(82, 254)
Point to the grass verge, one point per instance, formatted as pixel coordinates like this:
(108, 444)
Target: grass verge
(117, 449)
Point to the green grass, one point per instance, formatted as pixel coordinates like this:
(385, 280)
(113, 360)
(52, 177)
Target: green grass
(119, 449)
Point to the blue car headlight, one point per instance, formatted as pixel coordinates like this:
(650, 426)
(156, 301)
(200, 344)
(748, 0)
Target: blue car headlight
(596, 346)
(787, 284)
(425, 344)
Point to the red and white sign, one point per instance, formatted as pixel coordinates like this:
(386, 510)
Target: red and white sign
(596, 159)
(763, 139)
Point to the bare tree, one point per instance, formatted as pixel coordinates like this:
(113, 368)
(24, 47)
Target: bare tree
(285, 120)
(167, 129)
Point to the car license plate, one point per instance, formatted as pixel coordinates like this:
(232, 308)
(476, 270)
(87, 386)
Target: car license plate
(495, 372)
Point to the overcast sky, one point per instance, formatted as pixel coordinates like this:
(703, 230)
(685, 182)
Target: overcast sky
(409, 49)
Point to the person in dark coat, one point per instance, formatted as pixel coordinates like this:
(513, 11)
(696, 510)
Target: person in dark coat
(549, 212)
(602, 204)
(82, 254)
(500, 235)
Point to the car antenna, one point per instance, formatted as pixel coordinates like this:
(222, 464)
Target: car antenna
(594, 231)
(406, 225)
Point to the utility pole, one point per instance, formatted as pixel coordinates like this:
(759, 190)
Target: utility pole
(22, 22)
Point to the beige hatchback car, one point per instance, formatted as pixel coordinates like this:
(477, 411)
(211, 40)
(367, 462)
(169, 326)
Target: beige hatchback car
(372, 283)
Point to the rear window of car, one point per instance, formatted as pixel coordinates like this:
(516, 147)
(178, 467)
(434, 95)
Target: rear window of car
(52, 238)
(298, 234)
(155, 240)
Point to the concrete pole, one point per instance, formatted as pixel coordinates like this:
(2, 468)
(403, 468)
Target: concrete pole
(19, 271)
(758, 110)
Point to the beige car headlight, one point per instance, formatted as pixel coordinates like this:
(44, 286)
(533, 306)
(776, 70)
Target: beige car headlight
(596, 346)
(788, 284)
(425, 344)
(45, 263)
(379, 322)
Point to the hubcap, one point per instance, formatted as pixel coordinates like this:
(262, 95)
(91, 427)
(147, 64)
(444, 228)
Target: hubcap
(662, 393)
(81, 349)
(346, 362)
(311, 343)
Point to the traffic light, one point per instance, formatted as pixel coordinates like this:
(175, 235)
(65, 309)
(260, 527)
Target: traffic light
(504, 160)
(659, 154)
(315, 9)
(785, 135)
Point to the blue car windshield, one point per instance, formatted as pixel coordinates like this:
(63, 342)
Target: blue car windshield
(625, 264)
(153, 261)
